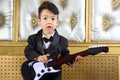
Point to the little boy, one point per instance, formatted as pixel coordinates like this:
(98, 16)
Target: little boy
(47, 43)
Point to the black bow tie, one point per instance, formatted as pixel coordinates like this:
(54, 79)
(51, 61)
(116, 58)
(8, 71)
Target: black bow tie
(48, 40)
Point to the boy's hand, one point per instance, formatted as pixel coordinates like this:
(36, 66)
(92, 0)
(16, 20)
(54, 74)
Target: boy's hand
(78, 58)
(43, 58)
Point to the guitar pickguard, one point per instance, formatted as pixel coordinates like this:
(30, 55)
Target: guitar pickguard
(40, 69)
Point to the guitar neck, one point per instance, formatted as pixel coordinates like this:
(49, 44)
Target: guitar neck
(60, 61)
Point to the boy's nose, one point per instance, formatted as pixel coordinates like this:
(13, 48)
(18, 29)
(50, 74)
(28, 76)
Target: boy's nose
(49, 21)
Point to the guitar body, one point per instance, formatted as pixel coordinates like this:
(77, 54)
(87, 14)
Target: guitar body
(34, 70)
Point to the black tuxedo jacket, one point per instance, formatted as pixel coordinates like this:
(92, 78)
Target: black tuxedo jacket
(35, 46)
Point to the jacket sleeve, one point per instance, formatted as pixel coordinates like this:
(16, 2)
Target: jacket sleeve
(30, 50)
(65, 51)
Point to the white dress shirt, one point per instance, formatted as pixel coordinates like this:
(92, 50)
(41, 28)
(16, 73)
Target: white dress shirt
(46, 45)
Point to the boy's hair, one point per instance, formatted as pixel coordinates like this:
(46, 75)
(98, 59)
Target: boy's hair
(48, 5)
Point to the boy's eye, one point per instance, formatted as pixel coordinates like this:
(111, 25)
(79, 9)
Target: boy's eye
(45, 18)
(53, 19)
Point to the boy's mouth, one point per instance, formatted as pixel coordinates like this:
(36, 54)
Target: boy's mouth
(49, 26)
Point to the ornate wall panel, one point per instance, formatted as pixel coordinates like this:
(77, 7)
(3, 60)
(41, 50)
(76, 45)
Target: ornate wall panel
(28, 16)
(10, 67)
(105, 27)
(106, 20)
(72, 18)
(6, 19)
(93, 68)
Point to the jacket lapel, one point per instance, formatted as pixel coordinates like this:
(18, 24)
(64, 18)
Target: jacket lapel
(52, 46)
(40, 42)
(54, 43)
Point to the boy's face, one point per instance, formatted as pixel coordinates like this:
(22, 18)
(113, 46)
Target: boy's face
(48, 21)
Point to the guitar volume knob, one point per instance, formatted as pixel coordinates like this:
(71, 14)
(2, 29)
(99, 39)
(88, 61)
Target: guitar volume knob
(42, 71)
(49, 69)
(38, 75)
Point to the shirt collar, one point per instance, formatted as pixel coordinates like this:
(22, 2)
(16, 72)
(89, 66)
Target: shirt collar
(43, 35)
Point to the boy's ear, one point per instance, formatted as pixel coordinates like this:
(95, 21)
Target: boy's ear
(58, 22)
(39, 21)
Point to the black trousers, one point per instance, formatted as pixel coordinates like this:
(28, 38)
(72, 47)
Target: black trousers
(48, 76)
(52, 76)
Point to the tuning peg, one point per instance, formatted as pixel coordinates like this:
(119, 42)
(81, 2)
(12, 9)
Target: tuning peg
(95, 46)
(92, 46)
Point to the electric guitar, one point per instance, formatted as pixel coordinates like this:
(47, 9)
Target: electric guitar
(35, 70)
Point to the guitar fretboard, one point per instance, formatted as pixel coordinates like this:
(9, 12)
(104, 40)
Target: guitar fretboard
(60, 61)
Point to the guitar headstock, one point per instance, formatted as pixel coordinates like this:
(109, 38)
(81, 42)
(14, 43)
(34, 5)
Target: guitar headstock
(93, 50)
